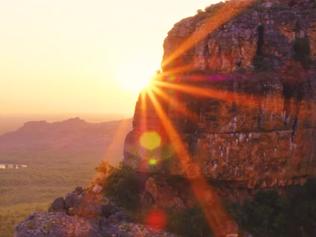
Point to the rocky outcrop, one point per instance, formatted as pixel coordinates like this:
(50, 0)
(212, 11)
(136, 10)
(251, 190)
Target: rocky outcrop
(159, 192)
(242, 98)
(83, 213)
(268, 28)
(62, 225)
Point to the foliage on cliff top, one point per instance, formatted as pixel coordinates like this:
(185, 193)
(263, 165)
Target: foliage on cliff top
(275, 215)
(189, 222)
(123, 187)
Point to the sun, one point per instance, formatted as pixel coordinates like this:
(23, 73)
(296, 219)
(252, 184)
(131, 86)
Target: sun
(135, 75)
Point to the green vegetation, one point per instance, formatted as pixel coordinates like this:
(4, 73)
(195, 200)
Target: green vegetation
(270, 214)
(24, 191)
(123, 187)
(292, 214)
(302, 51)
(11, 215)
(189, 222)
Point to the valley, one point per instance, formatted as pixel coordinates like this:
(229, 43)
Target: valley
(36, 165)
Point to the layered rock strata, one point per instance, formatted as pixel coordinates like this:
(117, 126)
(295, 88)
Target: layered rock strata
(242, 98)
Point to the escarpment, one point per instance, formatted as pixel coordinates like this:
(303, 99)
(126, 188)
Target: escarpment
(242, 98)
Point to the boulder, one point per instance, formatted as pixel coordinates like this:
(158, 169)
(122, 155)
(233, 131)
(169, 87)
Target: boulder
(58, 205)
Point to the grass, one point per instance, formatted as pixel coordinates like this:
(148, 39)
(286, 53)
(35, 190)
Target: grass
(11, 215)
(24, 191)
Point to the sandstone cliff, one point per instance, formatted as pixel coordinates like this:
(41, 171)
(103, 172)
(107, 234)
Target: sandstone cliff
(242, 96)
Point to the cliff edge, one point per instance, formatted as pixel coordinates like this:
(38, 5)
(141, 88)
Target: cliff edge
(240, 93)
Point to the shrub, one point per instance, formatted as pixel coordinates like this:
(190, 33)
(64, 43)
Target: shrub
(189, 222)
(302, 51)
(264, 215)
(123, 187)
(275, 215)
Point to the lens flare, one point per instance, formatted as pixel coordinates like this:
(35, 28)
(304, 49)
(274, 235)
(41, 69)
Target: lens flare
(150, 140)
(152, 161)
(156, 219)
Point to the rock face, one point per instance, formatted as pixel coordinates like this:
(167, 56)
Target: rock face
(242, 98)
(275, 25)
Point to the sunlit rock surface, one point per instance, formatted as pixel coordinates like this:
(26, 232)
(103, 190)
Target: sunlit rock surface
(242, 99)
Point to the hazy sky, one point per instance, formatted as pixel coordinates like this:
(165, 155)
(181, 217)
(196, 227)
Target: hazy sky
(81, 56)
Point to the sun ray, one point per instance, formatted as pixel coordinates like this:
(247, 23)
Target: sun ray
(177, 105)
(272, 104)
(219, 220)
(238, 98)
(177, 70)
(143, 101)
(228, 11)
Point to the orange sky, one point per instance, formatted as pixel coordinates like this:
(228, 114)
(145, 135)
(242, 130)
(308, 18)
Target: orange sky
(80, 56)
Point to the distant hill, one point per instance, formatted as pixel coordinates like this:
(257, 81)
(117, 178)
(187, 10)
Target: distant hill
(12, 122)
(53, 158)
(65, 139)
